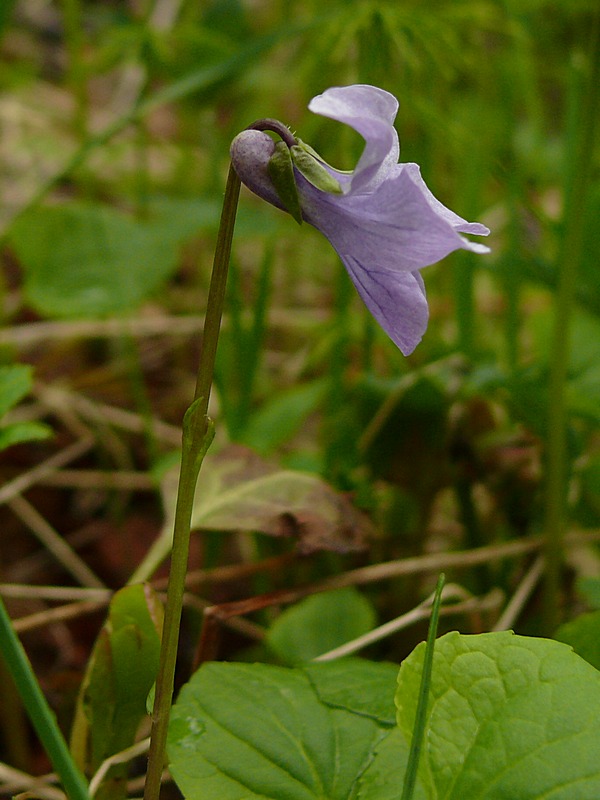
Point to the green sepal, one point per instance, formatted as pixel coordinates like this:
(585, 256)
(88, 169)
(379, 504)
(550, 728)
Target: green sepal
(308, 162)
(281, 172)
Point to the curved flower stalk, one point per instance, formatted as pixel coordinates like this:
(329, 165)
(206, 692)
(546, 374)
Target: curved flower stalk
(381, 218)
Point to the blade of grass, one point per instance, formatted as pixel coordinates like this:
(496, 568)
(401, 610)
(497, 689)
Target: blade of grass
(39, 711)
(416, 745)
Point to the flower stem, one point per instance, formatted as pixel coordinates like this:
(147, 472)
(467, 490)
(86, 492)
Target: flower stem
(578, 171)
(197, 436)
(277, 127)
(38, 710)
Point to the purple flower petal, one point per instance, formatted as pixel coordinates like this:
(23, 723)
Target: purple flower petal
(396, 227)
(386, 225)
(371, 112)
(397, 300)
(458, 223)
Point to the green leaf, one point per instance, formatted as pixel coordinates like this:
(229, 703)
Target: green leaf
(20, 432)
(583, 635)
(120, 673)
(313, 169)
(237, 490)
(15, 383)
(357, 685)
(509, 717)
(281, 172)
(255, 731)
(84, 260)
(320, 623)
(383, 778)
(207, 77)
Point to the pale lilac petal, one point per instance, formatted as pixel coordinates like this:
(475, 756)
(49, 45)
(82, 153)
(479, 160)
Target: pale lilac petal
(458, 223)
(371, 112)
(394, 228)
(386, 225)
(396, 300)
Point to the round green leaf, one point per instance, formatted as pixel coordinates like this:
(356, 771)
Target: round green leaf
(320, 623)
(255, 731)
(358, 685)
(83, 260)
(509, 717)
(384, 777)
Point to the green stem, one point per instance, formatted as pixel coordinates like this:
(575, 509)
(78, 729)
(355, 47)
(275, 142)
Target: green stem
(416, 745)
(38, 710)
(578, 177)
(197, 436)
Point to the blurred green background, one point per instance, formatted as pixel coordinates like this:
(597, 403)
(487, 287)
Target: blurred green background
(115, 125)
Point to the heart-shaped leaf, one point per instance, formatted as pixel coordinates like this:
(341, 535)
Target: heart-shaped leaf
(361, 686)
(89, 260)
(509, 717)
(320, 623)
(255, 731)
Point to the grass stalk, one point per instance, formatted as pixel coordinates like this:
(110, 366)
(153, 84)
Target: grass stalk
(418, 736)
(39, 711)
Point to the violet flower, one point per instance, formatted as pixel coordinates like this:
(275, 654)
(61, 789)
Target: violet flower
(381, 218)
